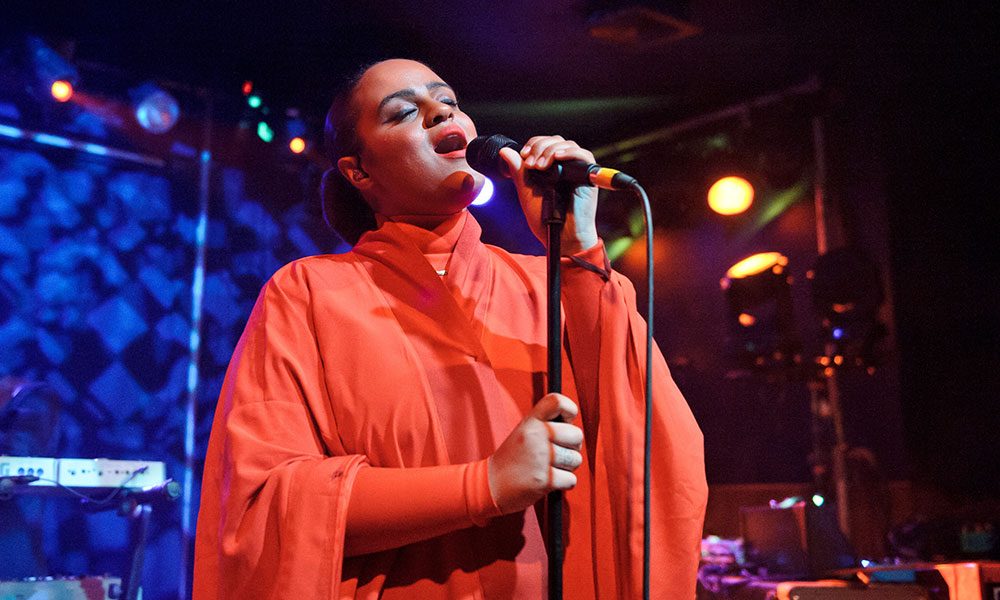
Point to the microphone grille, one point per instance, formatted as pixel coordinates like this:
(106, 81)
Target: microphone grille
(483, 154)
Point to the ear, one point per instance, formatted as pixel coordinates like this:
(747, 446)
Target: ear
(350, 168)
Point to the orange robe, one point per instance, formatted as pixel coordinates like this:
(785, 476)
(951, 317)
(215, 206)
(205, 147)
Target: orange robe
(370, 358)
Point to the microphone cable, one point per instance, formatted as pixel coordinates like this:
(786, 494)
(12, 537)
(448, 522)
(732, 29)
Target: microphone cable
(647, 214)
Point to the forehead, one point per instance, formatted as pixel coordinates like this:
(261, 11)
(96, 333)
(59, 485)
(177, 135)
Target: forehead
(389, 77)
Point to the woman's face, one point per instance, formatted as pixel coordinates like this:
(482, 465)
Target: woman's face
(412, 137)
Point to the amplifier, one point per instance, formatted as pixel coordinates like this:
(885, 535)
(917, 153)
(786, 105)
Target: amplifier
(62, 588)
(101, 473)
(749, 588)
(963, 581)
(821, 591)
(800, 539)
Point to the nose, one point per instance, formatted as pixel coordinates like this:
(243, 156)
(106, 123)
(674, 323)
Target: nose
(440, 112)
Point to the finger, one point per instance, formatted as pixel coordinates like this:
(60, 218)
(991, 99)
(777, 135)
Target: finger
(565, 435)
(554, 405)
(565, 459)
(561, 480)
(528, 146)
(546, 157)
(575, 153)
(538, 147)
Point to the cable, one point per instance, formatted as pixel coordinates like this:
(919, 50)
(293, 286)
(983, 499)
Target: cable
(24, 480)
(648, 217)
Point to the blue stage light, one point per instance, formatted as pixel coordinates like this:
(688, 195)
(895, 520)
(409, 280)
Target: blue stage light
(155, 110)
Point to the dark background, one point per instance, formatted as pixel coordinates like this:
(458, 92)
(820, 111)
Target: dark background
(907, 95)
(909, 100)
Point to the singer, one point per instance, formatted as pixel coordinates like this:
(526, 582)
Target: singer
(383, 430)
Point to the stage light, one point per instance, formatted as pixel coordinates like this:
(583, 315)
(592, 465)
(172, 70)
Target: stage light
(155, 110)
(730, 195)
(818, 500)
(485, 194)
(758, 263)
(265, 132)
(847, 294)
(295, 131)
(62, 90)
(48, 74)
(254, 101)
(247, 87)
(762, 322)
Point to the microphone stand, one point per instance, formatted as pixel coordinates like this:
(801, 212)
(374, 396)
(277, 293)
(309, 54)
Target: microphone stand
(555, 201)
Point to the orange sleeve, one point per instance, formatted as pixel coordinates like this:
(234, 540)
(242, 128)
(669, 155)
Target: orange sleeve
(275, 489)
(390, 508)
(606, 344)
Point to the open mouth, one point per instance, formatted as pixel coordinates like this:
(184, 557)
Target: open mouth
(451, 142)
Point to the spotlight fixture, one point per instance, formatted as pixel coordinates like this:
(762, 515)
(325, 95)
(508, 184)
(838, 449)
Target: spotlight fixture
(297, 145)
(49, 75)
(762, 327)
(847, 294)
(155, 110)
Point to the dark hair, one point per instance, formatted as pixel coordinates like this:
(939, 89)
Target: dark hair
(344, 208)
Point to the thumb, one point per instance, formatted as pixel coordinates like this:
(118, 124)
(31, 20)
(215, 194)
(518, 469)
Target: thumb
(513, 161)
(554, 405)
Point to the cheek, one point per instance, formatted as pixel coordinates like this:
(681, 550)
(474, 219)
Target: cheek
(465, 122)
(392, 151)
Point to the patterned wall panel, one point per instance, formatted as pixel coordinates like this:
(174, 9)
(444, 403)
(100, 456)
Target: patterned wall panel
(96, 269)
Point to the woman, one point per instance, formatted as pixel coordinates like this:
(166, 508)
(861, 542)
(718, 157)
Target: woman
(383, 430)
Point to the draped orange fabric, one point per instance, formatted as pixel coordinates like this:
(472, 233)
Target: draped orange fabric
(371, 358)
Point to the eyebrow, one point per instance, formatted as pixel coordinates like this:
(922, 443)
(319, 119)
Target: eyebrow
(410, 93)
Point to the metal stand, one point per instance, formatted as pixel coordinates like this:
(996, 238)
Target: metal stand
(830, 389)
(140, 517)
(554, 205)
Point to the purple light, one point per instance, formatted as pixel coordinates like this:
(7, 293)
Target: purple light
(484, 194)
(838, 333)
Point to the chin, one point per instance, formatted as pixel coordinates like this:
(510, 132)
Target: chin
(462, 186)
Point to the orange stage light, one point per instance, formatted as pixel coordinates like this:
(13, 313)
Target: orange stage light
(297, 145)
(730, 195)
(62, 90)
(758, 263)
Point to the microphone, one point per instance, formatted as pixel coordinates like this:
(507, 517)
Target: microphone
(168, 490)
(483, 155)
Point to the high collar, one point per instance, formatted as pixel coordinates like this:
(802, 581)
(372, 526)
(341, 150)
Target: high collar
(403, 272)
(430, 234)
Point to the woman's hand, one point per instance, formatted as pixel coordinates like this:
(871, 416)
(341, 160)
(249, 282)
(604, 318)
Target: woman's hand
(539, 456)
(539, 153)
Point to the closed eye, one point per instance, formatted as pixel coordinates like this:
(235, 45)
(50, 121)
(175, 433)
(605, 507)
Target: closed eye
(402, 114)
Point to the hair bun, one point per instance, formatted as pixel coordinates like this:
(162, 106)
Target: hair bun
(344, 210)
